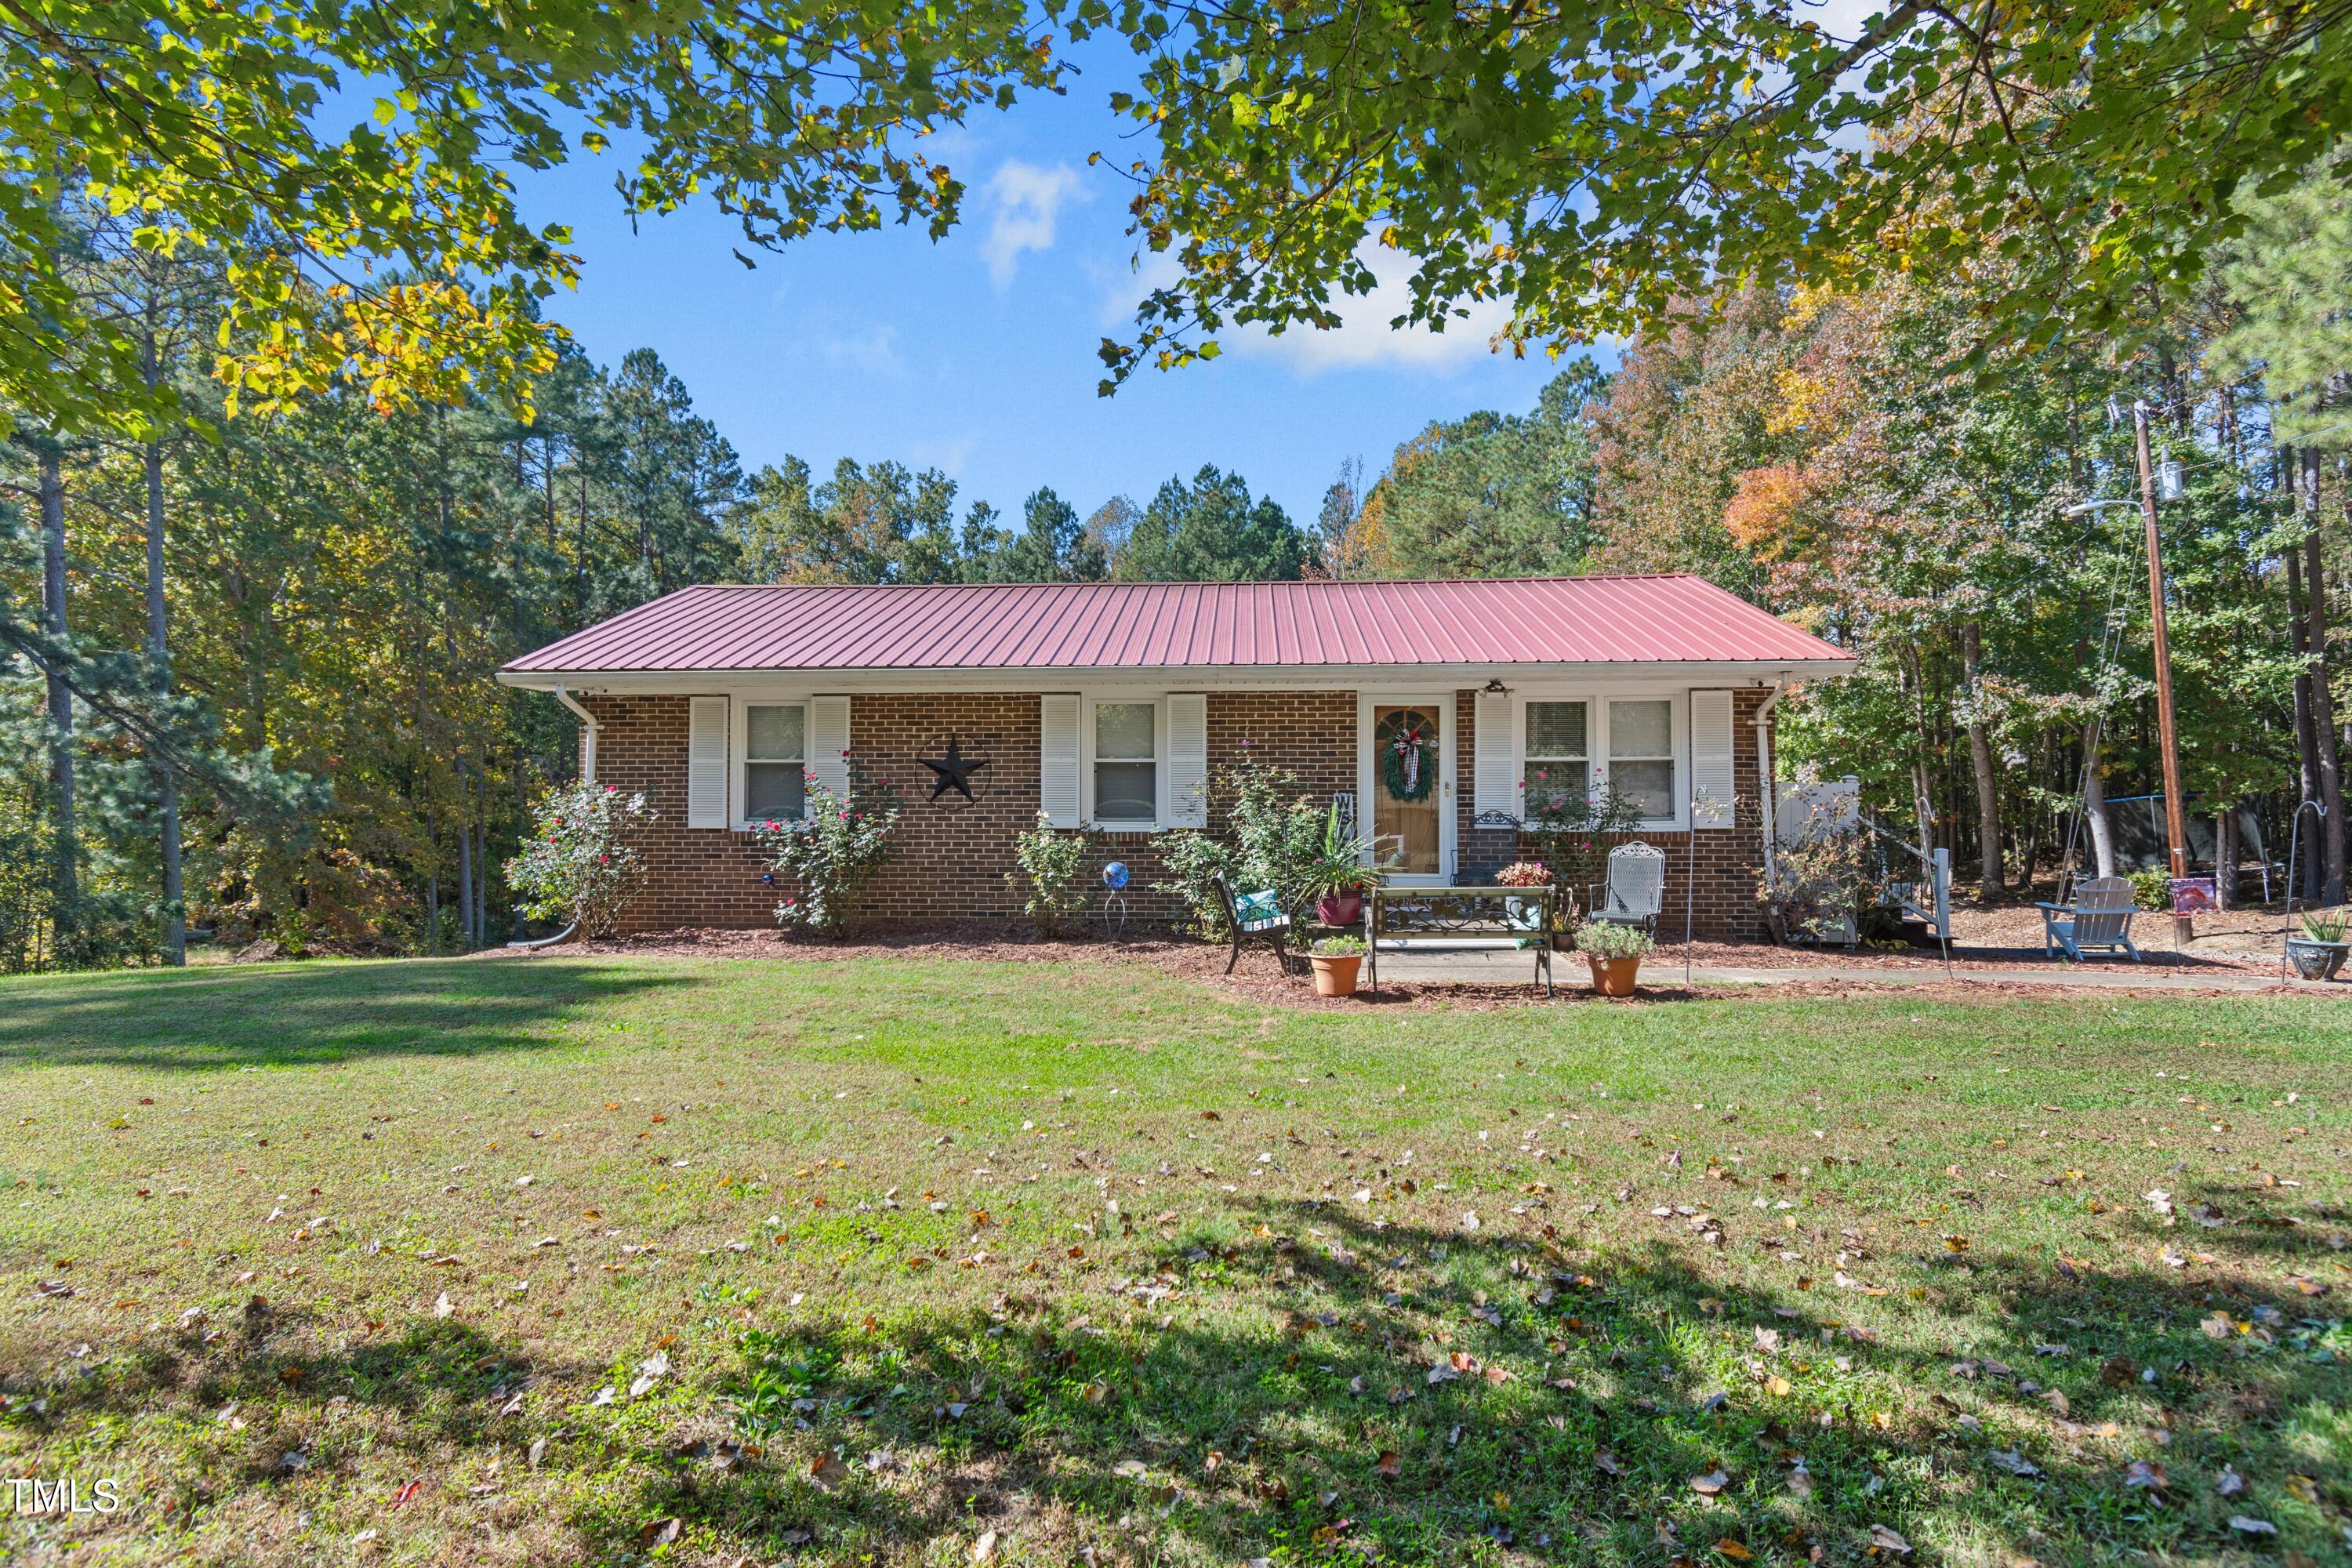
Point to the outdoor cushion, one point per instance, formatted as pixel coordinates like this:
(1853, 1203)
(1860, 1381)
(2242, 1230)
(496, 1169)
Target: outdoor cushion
(1259, 911)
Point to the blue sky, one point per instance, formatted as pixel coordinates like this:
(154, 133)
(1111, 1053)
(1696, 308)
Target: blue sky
(976, 355)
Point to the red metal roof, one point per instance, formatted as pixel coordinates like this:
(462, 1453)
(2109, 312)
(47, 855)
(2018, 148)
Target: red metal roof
(1151, 625)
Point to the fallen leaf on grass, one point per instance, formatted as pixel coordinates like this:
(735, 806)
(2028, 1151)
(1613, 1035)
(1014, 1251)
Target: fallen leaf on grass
(1889, 1541)
(1390, 1463)
(985, 1547)
(1734, 1549)
(1710, 1484)
(1607, 1463)
(827, 1470)
(2245, 1526)
(2014, 1462)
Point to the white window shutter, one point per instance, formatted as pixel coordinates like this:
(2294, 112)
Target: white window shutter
(828, 743)
(1494, 764)
(1188, 760)
(1711, 759)
(706, 761)
(1058, 759)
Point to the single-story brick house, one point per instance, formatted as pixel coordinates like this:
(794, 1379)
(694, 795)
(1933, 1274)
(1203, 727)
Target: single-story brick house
(1112, 706)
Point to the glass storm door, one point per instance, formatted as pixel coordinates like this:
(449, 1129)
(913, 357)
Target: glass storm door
(1408, 788)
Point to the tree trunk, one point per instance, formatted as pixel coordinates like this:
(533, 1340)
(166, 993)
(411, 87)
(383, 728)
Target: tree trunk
(2225, 855)
(1989, 883)
(465, 886)
(65, 866)
(2094, 804)
(1923, 803)
(2323, 702)
(159, 677)
(2029, 852)
(2305, 744)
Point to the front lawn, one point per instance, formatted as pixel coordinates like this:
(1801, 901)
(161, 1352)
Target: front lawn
(615, 1260)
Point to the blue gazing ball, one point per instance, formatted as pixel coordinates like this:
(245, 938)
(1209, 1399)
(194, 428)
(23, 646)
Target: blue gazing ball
(1115, 875)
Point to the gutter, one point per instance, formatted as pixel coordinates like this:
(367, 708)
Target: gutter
(588, 733)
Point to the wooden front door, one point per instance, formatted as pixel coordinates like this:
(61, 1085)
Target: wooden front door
(1409, 788)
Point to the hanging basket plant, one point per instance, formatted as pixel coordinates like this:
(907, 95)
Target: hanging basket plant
(1407, 748)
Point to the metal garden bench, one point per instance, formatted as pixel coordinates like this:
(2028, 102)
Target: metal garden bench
(1460, 920)
(1249, 915)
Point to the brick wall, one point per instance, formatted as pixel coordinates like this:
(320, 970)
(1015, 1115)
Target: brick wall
(952, 854)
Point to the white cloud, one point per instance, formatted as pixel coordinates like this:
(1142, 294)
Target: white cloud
(1028, 200)
(947, 455)
(1364, 337)
(872, 346)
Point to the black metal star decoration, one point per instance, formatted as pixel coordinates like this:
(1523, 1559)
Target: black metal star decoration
(955, 771)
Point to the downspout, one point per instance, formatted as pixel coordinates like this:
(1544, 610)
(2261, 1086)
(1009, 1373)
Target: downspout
(588, 734)
(1764, 771)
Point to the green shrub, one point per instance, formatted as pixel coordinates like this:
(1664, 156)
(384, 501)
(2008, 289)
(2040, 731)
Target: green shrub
(1341, 947)
(840, 847)
(2152, 887)
(1606, 939)
(1048, 878)
(1193, 861)
(581, 864)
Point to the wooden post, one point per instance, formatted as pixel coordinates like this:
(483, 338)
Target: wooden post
(2168, 736)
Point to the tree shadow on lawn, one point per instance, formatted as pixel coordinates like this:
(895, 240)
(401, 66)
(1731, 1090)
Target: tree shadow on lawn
(1324, 1390)
(1398, 1393)
(228, 1017)
(252, 1405)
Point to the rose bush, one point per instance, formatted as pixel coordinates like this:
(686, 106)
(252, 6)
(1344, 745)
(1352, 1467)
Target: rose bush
(833, 852)
(581, 863)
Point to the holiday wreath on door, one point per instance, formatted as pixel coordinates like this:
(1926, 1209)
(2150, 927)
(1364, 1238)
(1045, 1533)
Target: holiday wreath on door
(1407, 743)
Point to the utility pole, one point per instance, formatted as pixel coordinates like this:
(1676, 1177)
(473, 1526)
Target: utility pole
(2167, 734)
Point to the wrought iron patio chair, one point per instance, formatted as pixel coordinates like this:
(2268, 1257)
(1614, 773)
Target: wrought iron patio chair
(2100, 916)
(1636, 888)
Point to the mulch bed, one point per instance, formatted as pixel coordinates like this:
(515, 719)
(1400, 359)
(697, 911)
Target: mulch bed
(1256, 979)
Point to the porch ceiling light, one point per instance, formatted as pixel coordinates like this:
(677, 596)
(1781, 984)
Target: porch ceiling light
(1494, 688)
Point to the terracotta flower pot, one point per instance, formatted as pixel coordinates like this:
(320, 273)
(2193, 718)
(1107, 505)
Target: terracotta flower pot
(1613, 976)
(1334, 973)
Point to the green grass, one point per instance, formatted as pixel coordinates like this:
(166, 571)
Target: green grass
(1112, 1264)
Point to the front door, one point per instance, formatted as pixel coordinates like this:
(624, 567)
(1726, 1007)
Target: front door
(1408, 776)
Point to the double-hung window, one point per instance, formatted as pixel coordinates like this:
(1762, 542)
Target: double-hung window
(1557, 772)
(1126, 764)
(775, 762)
(1642, 755)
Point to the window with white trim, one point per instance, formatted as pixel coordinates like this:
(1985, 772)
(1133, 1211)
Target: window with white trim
(775, 762)
(1125, 768)
(1556, 767)
(1642, 755)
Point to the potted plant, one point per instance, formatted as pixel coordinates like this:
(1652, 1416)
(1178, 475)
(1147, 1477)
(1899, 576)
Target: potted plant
(1336, 959)
(1341, 872)
(2319, 952)
(1615, 953)
(1525, 874)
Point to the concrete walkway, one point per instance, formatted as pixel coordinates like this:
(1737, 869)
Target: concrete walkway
(1666, 969)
